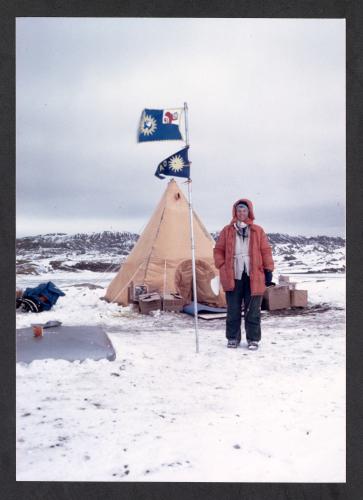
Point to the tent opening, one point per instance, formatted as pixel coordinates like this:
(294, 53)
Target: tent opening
(204, 275)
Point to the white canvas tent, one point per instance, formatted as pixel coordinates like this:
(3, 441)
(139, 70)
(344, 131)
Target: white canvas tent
(162, 258)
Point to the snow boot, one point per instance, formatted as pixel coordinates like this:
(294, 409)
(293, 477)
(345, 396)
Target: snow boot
(232, 343)
(252, 345)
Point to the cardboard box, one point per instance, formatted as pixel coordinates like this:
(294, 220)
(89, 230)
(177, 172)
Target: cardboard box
(299, 298)
(172, 302)
(283, 280)
(276, 297)
(149, 302)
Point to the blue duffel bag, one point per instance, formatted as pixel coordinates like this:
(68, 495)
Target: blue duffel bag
(42, 297)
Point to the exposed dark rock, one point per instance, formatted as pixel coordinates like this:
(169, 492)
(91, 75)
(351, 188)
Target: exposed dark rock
(289, 257)
(26, 269)
(98, 267)
(59, 265)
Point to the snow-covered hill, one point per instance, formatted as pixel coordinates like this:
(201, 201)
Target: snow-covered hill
(99, 252)
(296, 254)
(104, 252)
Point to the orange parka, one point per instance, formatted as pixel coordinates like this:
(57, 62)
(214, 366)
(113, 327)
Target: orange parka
(259, 251)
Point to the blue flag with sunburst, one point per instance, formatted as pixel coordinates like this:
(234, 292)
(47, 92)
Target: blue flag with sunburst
(177, 165)
(160, 125)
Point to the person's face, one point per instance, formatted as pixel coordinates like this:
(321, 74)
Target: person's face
(242, 214)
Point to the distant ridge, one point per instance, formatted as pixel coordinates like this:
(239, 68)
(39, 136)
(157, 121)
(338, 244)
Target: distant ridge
(104, 251)
(106, 240)
(126, 240)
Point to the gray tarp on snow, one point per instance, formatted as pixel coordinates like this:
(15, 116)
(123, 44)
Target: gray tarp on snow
(202, 308)
(64, 342)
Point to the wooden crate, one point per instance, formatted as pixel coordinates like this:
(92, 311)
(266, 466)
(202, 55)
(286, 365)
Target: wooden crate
(149, 302)
(172, 302)
(299, 298)
(276, 297)
(134, 291)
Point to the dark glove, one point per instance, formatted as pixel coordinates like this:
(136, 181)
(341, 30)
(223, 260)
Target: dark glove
(268, 278)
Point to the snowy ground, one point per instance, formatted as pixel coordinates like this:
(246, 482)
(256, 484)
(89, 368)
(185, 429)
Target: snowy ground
(161, 412)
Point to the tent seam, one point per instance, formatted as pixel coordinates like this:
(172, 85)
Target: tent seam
(152, 246)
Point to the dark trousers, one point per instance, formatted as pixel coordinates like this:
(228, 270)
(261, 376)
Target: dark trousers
(251, 308)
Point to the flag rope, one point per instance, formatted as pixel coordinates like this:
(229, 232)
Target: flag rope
(127, 283)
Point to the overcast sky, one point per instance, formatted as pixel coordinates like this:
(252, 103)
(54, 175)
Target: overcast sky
(266, 104)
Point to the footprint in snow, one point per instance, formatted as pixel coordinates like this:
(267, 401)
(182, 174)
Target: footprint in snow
(175, 464)
(123, 473)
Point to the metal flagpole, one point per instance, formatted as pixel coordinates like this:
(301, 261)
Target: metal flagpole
(192, 238)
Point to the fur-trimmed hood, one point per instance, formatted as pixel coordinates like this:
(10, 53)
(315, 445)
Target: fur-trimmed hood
(251, 215)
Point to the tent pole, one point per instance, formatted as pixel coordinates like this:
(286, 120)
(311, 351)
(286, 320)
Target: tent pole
(164, 288)
(192, 238)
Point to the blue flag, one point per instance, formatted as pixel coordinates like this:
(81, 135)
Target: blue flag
(177, 165)
(160, 125)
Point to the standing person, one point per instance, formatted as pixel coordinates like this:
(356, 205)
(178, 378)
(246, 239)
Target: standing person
(244, 258)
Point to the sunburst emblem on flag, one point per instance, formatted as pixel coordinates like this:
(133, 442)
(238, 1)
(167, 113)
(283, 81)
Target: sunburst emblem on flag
(148, 125)
(176, 163)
